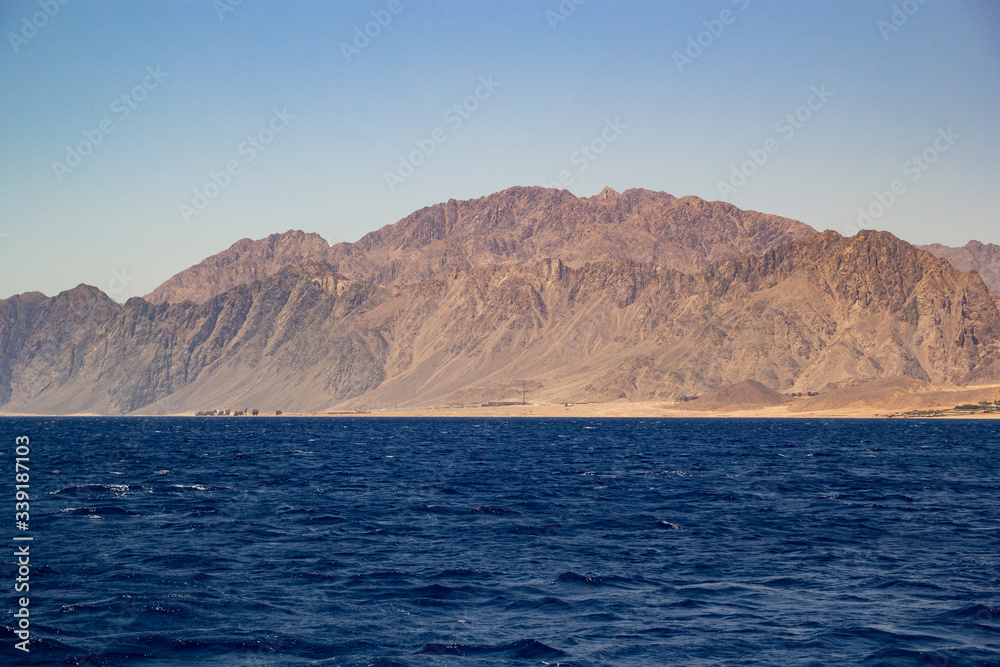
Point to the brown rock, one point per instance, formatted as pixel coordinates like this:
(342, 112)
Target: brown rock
(518, 225)
(460, 302)
(983, 258)
(243, 263)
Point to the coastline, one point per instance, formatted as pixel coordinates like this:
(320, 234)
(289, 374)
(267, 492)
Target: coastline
(893, 399)
(656, 410)
(643, 410)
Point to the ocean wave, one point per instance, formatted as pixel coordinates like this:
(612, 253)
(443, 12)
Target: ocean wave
(488, 509)
(115, 489)
(528, 649)
(98, 511)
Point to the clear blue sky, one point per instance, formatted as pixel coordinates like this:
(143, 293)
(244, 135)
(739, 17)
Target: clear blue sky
(608, 76)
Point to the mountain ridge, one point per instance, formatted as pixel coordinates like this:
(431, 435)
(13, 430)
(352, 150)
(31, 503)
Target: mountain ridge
(983, 258)
(815, 314)
(517, 225)
(633, 296)
(526, 224)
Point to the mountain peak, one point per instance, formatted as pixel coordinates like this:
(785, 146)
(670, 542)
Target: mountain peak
(984, 258)
(243, 262)
(651, 298)
(517, 225)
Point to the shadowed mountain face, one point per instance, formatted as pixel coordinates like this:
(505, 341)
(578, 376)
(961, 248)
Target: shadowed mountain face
(973, 256)
(518, 225)
(810, 315)
(291, 335)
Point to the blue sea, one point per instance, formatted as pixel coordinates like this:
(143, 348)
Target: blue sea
(569, 542)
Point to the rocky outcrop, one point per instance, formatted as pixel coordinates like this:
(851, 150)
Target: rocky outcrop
(241, 264)
(983, 258)
(516, 226)
(292, 335)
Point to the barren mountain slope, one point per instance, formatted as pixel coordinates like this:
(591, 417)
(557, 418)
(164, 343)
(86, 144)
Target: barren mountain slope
(518, 225)
(524, 225)
(973, 256)
(244, 262)
(289, 337)
(811, 315)
(816, 314)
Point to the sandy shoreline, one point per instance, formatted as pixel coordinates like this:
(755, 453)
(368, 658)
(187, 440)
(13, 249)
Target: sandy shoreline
(644, 410)
(589, 410)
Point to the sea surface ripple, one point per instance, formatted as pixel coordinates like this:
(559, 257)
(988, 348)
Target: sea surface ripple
(570, 542)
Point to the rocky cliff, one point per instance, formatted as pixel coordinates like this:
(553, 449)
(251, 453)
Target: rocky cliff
(291, 335)
(983, 258)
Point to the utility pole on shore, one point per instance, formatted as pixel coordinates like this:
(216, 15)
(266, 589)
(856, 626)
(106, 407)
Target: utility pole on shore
(523, 402)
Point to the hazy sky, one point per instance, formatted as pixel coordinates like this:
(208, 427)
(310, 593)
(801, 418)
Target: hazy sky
(139, 137)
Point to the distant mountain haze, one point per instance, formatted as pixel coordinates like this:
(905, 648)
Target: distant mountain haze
(618, 297)
(973, 256)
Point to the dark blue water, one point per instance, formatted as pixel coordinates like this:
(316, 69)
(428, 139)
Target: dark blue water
(426, 542)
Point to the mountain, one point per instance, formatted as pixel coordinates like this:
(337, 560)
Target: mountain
(816, 314)
(983, 258)
(808, 316)
(290, 335)
(526, 225)
(519, 225)
(244, 262)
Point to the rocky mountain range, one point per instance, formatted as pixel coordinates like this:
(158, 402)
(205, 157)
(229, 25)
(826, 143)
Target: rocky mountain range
(516, 226)
(983, 258)
(632, 296)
